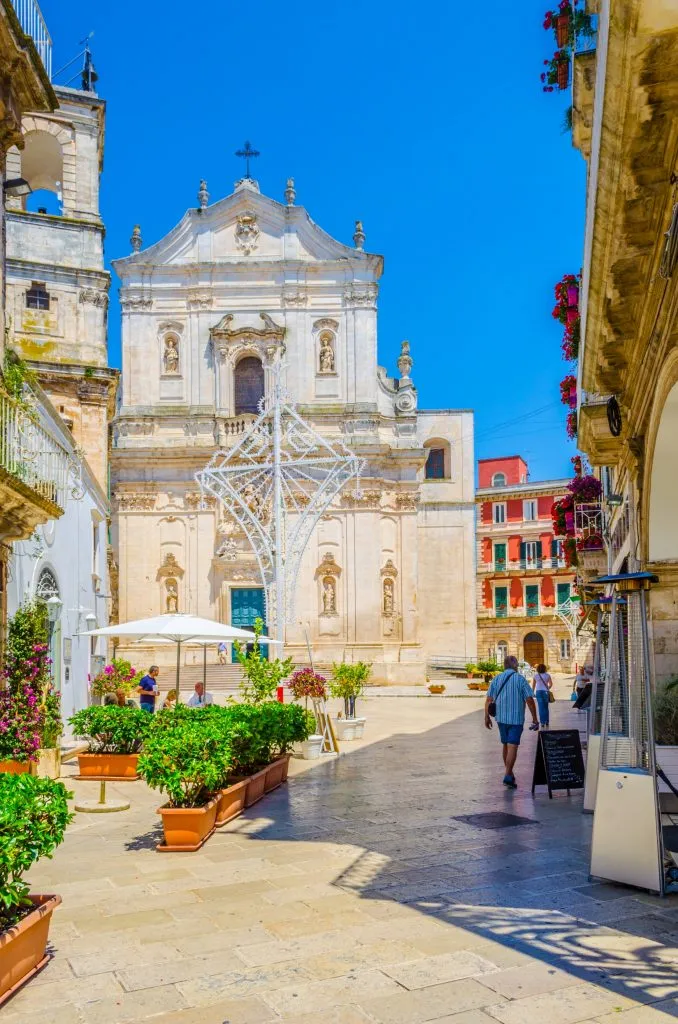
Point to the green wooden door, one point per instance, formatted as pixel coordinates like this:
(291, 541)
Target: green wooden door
(563, 594)
(247, 604)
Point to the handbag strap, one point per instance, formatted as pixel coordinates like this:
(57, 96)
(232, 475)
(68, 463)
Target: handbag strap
(505, 681)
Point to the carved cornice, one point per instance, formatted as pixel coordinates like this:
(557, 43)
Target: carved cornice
(135, 304)
(328, 566)
(169, 567)
(294, 297)
(327, 323)
(199, 299)
(389, 569)
(93, 297)
(407, 502)
(361, 295)
(223, 331)
(365, 499)
(193, 501)
(129, 501)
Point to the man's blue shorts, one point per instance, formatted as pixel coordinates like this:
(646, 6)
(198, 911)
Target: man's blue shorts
(510, 733)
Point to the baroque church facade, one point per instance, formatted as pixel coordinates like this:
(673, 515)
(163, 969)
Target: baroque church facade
(388, 575)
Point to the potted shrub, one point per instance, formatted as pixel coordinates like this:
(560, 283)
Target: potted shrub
(115, 735)
(666, 732)
(307, 683)
(489, 669)
(19, 729)
(436, 688)
(188, 759)
(33, 818)
(119, 678)
(470, 670)
(261, 677)
(348, 683)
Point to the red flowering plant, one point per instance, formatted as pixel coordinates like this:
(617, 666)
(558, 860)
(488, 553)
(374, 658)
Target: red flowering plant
(562, 512)
(555, 76)
(20, 724)
(585, 489)
(570, 551)
(568, 20)
(571, 425)
(567, 385)
(118, 677)
(577, 464)
(307, 683)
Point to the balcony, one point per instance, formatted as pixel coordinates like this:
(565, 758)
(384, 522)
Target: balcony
(521, 565)
(33, 24)
(33, 472)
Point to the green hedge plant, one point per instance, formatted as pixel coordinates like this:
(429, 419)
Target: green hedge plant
(188, 759)
(33, 818)
(112, 730)
(261, 677)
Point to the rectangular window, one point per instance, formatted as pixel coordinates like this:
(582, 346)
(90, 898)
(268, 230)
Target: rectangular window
(501, 602)
(435, 464)
(37, 297)
(564, 650)
(499, 557)
(530, 509)
(499, 512)
(563, 593)
(532, 600)
(557, 558)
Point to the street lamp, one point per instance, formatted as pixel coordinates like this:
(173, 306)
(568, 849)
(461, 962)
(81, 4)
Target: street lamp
(91, 621)
(54, 606)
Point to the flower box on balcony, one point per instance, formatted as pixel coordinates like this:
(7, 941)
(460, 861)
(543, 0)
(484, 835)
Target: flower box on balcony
(572, 295)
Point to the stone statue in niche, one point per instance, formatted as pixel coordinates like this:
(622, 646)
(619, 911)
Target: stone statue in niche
(171, 596)
(329, 596)
(171, 355)
(388, 600)
(326, 357)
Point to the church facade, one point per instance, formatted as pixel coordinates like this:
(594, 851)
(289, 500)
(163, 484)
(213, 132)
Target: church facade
(237, 286)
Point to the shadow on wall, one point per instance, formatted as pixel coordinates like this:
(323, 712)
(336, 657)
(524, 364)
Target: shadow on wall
(524, 886)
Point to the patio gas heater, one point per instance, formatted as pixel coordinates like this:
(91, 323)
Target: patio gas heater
(598, 680)
(627, 842)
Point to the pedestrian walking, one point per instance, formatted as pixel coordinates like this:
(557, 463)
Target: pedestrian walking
(542, 687)
(223, 652)
(507, 697)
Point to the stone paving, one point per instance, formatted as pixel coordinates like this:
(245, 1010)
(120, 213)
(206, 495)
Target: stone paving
(355, 894)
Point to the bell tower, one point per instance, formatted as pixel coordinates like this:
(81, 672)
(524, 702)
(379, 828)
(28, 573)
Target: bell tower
(57, 287)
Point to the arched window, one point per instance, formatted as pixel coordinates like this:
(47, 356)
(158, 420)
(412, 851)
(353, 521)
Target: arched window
(47, 585)
(502, 651)
(42, 166)
(249, 385)
(499, 480)
(437, 460)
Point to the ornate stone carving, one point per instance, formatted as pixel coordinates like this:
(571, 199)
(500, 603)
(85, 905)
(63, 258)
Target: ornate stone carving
(203, 195)
(388, 597)
(360, 426)
(325, 322)
(92, 391)
(136, 240)
(228, 550)
(406, 402)
(389, 569)
(365, 499)
(290, 193)
(192, 501)
(129, 501)
(170, 567)
(171, 595)
(93, 297)
(328, 566)
(362, 295)
(229, 341)
(359, 236)
(405, 361)
(292, 296)
(326, 362)
(135, 304)
(134, 427)
(407, 502)
(247, 232)
(198, 299)
(170, 357)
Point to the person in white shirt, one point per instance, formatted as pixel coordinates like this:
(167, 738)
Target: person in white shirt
(541, 687)
(199, 699)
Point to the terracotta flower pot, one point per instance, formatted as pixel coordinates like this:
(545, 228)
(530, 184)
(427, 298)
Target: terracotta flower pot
(275, 773)
(108, 766)
(286, 767)
(187, 828)
(22, 947)
(563, 74)
(231, 802)
(562, 30)
(15, 767)
(436, 688)
(256, 787)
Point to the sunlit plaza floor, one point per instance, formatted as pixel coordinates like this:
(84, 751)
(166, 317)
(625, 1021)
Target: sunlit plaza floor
(355, 894)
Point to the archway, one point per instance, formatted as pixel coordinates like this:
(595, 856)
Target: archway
(249, 385)
(662, 530)
(533, 648)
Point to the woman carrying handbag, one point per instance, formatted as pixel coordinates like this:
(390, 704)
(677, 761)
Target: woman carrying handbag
(542, 687)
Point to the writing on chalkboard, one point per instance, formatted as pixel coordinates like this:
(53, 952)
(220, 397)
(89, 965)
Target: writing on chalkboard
(558, 763)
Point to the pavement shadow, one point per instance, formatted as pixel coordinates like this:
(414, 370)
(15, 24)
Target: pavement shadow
(409, 806)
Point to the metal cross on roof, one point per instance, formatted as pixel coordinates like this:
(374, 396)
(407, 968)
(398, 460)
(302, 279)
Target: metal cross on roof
(248, 153)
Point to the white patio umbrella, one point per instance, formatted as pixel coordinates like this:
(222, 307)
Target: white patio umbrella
(178, 628)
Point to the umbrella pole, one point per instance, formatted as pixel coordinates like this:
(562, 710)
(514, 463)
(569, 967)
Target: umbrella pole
(178, 664)
(204, 672)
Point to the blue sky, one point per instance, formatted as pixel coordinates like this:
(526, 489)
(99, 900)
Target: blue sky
(428, 122)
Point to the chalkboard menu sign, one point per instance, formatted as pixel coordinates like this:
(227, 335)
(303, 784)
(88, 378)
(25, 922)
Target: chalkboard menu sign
(559, 763)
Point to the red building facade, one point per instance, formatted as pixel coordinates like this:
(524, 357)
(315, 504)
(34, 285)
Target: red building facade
(523, 581)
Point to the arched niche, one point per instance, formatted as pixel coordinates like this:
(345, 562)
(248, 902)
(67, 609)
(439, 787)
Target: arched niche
(663, 485)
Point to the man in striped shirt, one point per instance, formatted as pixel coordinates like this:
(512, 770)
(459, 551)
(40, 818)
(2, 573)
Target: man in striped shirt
(511, 692)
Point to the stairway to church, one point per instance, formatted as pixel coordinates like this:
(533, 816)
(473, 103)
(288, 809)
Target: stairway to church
(220, 678)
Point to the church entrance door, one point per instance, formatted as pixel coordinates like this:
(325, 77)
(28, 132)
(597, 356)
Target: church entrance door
(247, 604)
(533, 649)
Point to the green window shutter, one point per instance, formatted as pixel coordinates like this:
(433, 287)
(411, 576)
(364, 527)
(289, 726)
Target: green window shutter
(523, 549)
(554, 548)
(538, 549)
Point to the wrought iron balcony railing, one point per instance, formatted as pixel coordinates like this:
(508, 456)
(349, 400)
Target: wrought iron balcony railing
(29, 453)
(33, 23)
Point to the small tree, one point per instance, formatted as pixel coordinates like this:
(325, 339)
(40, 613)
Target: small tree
(488, 669)
(261, 676)
(348, 682)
